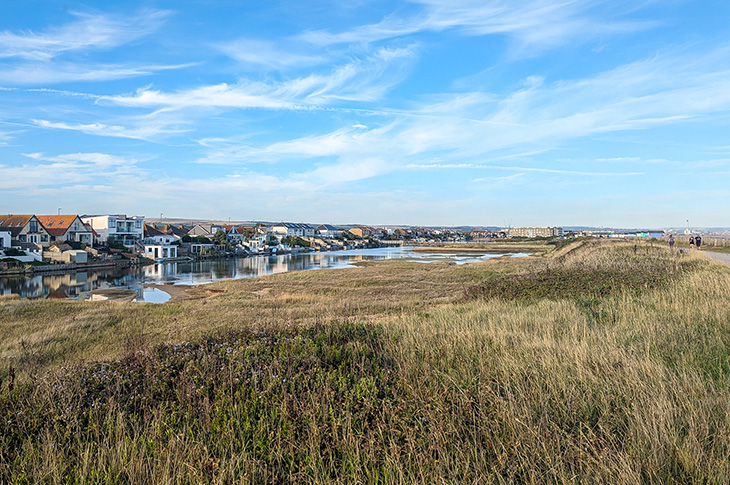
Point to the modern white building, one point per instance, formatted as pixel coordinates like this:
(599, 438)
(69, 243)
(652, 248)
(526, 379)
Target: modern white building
(127, 230)
(159, 252)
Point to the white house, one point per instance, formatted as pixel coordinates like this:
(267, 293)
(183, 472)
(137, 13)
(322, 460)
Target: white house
(152, 234)
(327, 231)
(123, 229)
(290, 229)
(159, 252)
(4, 239)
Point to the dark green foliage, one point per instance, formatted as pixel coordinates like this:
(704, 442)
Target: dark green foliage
(260, 394)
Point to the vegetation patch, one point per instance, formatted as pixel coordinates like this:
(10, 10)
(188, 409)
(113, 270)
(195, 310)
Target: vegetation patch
(607, 273)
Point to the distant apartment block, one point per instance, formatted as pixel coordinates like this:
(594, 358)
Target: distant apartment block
(536, 232)
(124, 229)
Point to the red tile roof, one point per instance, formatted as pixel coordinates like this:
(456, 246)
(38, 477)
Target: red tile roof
(57, 225)
(14, 223)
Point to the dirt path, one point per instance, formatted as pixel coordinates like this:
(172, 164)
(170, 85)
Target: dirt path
(724, 257)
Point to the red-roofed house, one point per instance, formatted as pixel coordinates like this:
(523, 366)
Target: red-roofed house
(25, 228)
(68, 228)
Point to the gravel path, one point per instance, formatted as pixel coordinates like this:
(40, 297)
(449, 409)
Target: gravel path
(724, 257)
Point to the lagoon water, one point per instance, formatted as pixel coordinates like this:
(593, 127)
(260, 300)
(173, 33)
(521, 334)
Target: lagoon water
(78, 285)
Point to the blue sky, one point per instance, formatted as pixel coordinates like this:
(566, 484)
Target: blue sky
(422, 112)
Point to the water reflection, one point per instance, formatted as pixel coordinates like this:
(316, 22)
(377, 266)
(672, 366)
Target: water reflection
(79, 285)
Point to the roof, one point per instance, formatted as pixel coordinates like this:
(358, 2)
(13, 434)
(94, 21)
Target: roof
(150, 231)
(14, 223)
(174, 230)
(57, 225)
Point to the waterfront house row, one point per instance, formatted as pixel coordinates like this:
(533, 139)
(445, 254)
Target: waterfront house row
(90, 230)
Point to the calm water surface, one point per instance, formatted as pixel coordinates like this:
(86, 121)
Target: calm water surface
(79, 285)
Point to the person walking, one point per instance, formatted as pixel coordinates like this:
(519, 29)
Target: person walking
(691, 242)
(698, 242)
(671, 242)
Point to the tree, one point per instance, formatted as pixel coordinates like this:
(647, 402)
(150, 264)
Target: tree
(220, 238)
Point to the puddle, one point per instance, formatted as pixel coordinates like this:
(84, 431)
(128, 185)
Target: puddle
(154, 295)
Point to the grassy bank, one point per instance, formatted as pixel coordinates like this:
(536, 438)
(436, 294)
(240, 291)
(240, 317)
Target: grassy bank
(401, 372)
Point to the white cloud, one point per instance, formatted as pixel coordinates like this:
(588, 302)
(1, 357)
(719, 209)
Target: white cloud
(88, 32)
(268, 54)
(62, 170)
(30, 58)
(57, 72)
(147, 128)
(534, 24)
(360, 80)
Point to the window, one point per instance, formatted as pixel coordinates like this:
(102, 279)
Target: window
(138, 224)
(44, 237)
(112, 223)
(50, 224)
(33, 226)
(22, 238)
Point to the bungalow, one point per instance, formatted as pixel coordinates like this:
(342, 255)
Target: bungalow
(25, 229)
(68, 228)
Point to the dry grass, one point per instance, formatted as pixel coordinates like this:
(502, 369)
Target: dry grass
(422, 379)
(43, 334)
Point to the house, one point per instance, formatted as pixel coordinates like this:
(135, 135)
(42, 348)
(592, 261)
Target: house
(290, 229)
(174, 230)
(200, 248)
(118, 228)
(33, 252)
(205, 230)
(157, 245)
(68, 228)
(327, 231)
(361, 231)
(158, 251)
(25, 228)
(154, 235)
(4, 239)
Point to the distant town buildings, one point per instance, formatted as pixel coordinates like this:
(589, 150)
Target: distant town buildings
(535, 232)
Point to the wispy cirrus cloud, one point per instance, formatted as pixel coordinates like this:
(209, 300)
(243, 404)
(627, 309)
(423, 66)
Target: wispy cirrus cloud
(67, 53)
(535, 117)
(145, 128)
(365, 79)
(534, 24)
(89, 31)
(473, 166)
(270, 55)
(76, 168)
(58, 72)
